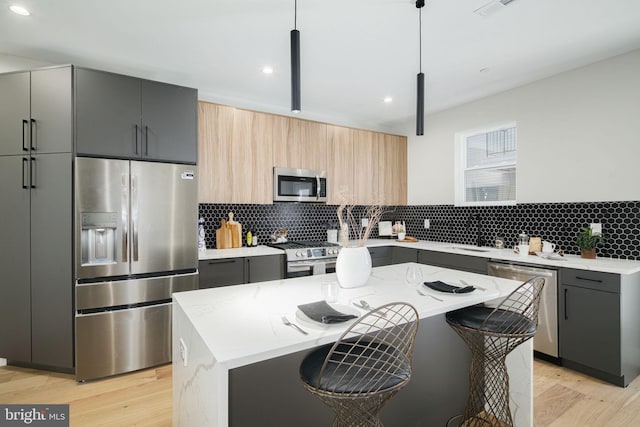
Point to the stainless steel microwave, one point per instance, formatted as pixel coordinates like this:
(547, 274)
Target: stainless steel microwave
(299, 185)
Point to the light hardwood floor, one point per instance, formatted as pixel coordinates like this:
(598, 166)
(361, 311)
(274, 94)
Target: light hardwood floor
(562, 398)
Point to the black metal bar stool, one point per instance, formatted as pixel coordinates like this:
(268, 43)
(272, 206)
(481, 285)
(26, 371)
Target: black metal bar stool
(368, 364)
(491, 334)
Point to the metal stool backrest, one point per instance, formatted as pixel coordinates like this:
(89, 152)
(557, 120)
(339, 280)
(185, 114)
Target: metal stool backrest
(376, 347)
(519, 310)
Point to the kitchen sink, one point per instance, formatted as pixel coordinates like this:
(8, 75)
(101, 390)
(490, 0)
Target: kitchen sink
(471, 249)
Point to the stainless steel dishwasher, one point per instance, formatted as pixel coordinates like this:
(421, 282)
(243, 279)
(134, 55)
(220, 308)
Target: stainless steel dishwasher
(546, 339)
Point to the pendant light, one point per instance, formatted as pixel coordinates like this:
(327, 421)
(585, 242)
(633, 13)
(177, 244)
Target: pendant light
(295, 63)
(420, 106)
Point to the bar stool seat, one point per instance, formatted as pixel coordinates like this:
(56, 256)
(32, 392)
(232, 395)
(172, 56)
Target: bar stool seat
(491, 334)
(369, 364)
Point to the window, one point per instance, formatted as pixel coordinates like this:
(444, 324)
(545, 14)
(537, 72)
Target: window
(486, 166)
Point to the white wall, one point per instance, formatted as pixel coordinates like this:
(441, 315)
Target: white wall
(578, 137)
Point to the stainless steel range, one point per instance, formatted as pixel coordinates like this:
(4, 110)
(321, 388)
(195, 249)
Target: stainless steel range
(307, 258)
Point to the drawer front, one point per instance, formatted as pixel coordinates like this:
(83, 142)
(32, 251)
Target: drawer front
(380, 256)
(607, 282)
(221, 272)
(457, 262)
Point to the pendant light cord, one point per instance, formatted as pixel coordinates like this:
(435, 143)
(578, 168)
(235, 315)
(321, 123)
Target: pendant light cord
(295, 14)
(420, 44)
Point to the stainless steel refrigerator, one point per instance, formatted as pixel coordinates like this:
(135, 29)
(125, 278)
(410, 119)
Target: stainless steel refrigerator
(136, 243)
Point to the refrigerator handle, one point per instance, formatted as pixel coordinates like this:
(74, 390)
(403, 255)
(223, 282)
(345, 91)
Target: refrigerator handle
(134, 217)
(124, 209)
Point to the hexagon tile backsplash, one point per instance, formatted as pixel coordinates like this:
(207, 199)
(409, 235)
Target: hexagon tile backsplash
(556, 222)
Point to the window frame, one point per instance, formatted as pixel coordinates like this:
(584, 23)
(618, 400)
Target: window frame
(460, 161)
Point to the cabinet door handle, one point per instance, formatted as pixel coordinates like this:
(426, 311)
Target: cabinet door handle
(31, 138)
(146, 140)
(24, 140)
(226, 261)
(588, 279)
(136, 132)
(566, 293)
(31, 172)
(24, 181)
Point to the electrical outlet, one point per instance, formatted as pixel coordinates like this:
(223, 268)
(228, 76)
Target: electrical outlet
(596, 228)
(183, 352)
(365, 222)
(427, 223)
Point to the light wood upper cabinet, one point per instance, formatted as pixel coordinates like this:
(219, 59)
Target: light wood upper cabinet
(238, 149)
(339, 162)
(366, 167)
(392, 179)
(299, 144)
(215, 133)
(235, 151)
(252, 149)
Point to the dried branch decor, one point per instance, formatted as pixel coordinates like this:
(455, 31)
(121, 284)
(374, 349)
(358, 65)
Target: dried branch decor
(373, 212)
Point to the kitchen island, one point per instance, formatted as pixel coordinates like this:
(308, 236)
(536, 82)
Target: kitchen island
(235, 363)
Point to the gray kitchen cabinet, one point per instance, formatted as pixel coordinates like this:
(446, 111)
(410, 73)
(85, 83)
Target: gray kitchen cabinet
(380, 255)
(264, 268)
(220, 272)
(401, 255)
(455, 261)
(599, 324)
(35, 112)
(15, 291)
(36, 293)
(236, 271)
(126, 117)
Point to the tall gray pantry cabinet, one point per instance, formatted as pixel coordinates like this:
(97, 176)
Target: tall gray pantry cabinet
(36, 312)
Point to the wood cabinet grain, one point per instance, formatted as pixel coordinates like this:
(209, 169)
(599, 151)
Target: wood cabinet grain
(235, 149)
(392, 178)
(339, 163)
(299, 143)
(238, 150)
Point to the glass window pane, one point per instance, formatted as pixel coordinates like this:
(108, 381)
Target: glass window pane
(490, 185)
(489, 148)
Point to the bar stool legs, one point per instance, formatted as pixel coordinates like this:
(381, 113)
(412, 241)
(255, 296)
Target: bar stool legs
(491, 334)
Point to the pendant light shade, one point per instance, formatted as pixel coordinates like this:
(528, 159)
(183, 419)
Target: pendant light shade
(295, 71)
(420, 80)
(420, 106)
(295, 63)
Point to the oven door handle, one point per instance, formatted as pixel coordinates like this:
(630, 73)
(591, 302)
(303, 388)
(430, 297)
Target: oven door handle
(301, 266)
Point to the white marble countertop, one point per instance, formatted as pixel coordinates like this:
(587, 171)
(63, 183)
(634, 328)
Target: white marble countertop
(242, 324)
(605, 265)
(238, 252)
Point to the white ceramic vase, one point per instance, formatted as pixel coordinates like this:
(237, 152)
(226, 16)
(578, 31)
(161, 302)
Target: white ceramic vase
(353, 266)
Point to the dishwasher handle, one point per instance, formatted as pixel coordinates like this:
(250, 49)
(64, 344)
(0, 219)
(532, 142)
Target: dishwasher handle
(540, 272)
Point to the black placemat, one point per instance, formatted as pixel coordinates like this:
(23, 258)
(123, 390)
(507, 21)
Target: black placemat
(321, 311)
(450, 289)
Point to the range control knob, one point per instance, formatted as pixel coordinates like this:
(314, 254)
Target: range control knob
(298, 254)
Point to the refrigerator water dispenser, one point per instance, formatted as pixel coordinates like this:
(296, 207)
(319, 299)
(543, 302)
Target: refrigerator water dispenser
(98, 238)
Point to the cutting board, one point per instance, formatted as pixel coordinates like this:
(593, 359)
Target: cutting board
(236, 232)
(223, 236)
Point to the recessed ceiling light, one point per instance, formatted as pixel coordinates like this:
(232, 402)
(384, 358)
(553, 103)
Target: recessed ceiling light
(387, 99)
(19, 10)
(267, 69)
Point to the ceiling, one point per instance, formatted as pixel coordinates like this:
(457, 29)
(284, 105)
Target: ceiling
(353, 53)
